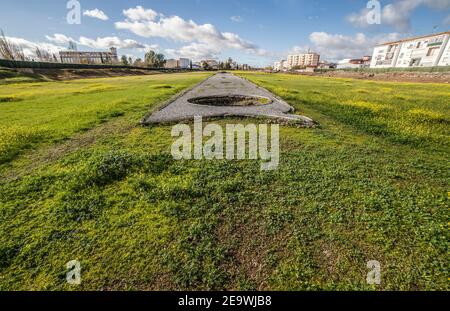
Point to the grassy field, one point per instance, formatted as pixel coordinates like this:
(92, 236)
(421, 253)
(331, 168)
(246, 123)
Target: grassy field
(80, 179)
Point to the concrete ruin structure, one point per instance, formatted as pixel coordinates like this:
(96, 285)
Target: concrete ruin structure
(76, 57)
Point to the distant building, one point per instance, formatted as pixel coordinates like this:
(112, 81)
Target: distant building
(424, 51)
(354, 63)
(213, 64)
(303, 60)
(76, 57)
(280, 66)
(349, 63)
(171, 64)
(184, 63)
(326, 65)
(366, 60)
(277, 66)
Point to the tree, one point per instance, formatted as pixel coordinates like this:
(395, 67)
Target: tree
(154, 60)
(130, 61)
(10, 50)
(138, 62)
(124, 60)
(206, 66)
(43, 55)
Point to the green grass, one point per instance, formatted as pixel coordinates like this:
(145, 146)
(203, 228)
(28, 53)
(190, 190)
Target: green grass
(36, 113)
(370, 183)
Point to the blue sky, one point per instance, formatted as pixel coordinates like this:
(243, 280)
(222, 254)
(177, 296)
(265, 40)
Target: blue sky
(251, 31)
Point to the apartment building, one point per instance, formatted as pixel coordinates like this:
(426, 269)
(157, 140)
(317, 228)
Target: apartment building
(303, 60)
(75, 57)
(184, 63)
(424, 51)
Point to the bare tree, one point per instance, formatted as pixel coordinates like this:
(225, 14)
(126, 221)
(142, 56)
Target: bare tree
(43, 55)
(10, 50)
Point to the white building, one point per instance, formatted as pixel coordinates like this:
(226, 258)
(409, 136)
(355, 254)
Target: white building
(425, 51)
(280, 66)
(277, 66)
(352, 63)
(184, 63)
(347, 64)
(303, 60)
(171, 64)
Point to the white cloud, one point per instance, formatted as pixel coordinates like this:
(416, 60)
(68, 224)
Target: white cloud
(96, 13)
(236, 19)
(333, 47)
(29, 47)
(140, 14)
(108, 42)
(102, 43)
(59, 38)
(204, 40)
(398, 13)
(194, 51)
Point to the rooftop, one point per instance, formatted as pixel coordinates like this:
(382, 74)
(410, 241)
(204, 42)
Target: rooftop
(415, 38)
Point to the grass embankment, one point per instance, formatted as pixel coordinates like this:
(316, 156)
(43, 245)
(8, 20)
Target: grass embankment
(369, 184)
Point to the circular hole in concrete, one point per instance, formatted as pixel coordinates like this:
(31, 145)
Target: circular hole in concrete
(231, 100)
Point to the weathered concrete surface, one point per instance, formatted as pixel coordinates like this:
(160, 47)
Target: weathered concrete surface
(225, 84)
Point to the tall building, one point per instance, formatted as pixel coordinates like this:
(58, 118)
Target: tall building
(303, 60)
(424, 51)
(75, 57)
(184, 63)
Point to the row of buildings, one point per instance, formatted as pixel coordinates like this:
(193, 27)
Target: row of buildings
(229, 64)
(311, 62)
(424, 51)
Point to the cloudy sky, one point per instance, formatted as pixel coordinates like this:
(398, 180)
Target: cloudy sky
(251, 31)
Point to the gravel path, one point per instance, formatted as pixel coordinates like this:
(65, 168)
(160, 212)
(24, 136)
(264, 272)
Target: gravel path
(225, 84)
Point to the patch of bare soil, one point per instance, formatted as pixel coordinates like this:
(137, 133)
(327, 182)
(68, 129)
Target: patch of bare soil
(422, 77)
